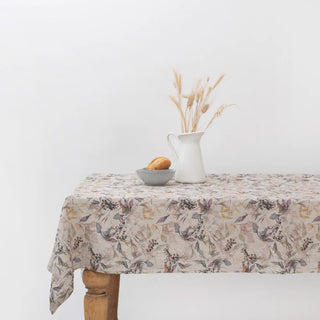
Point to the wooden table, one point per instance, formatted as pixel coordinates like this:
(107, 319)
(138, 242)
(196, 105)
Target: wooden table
(101, 299)
(113, 224)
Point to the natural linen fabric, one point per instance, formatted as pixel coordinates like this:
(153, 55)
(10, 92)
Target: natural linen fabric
(231, 223)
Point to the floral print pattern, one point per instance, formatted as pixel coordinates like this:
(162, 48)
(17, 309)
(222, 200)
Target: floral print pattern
(231, 223)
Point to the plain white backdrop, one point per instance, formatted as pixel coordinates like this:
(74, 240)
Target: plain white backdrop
(84, 88)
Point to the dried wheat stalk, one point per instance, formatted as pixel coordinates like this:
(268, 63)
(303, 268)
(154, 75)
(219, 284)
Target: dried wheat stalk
(218, 113)
(197, 103)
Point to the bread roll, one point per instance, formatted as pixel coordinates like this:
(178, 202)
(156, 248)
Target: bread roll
(159, 163)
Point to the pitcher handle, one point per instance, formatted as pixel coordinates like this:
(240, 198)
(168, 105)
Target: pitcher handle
(172, 147)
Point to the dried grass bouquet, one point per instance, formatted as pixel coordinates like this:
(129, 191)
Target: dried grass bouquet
(196, 104)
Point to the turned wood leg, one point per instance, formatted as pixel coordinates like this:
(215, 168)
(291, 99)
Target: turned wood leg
(101, 299)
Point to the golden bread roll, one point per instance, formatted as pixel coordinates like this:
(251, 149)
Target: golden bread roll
(159, 163)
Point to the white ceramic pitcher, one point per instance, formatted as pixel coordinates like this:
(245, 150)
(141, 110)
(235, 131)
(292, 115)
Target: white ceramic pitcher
(190, 167)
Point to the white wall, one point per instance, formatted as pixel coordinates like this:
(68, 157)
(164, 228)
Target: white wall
(84, 88)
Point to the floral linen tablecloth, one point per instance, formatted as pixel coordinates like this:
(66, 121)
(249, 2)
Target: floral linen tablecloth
(231, 223)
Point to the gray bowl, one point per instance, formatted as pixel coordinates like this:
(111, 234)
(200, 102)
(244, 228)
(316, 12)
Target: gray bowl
(155, 177)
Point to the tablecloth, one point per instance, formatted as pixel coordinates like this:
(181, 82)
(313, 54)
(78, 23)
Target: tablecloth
(113, 223)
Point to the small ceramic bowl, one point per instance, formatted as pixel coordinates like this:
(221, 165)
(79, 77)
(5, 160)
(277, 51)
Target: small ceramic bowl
(155, 177)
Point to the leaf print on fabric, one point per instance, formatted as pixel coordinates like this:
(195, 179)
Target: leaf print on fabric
(240, 219)
(187, 234)
(291, 265)
(176, 228)
(283, 206)
(226, 211)
(94, 203)
(216, 264)
(117, 216)
(126, 206)
(98, 227)
(317, 219)
(84, 219)
(227, 262)
(204, 205)
(255, 228)
(162, 219)
(277, 252)
(250, 261)
(71, 213)
(275, 216)
(305, 212)
(148, 213)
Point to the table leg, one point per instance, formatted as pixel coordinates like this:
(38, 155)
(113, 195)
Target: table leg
(101, 299)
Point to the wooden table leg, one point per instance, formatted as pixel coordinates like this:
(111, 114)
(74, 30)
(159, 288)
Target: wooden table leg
(101, 299)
